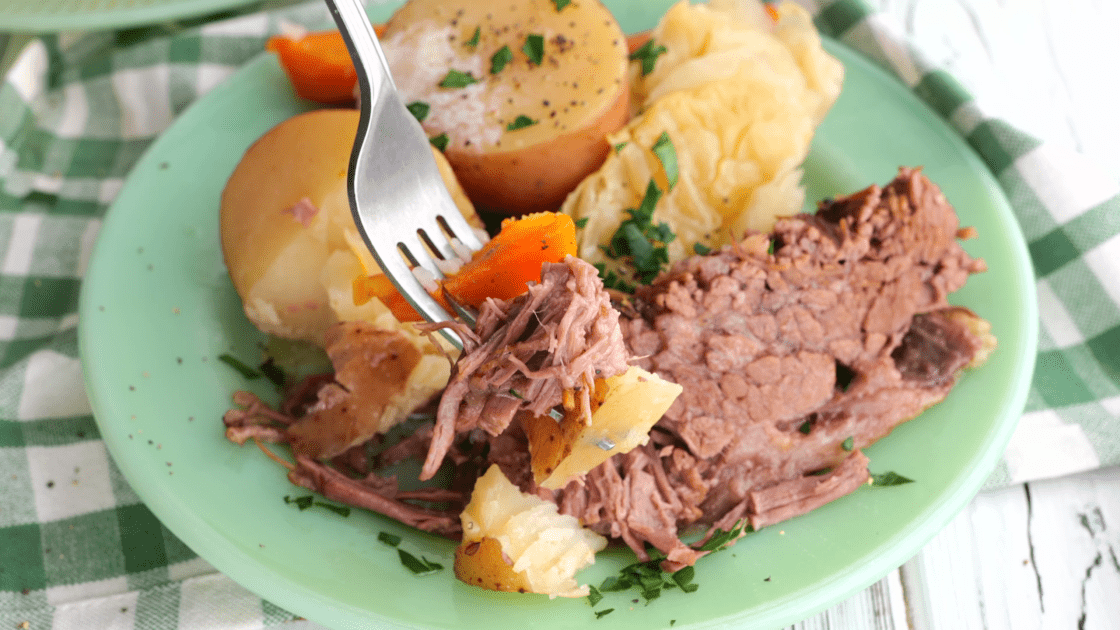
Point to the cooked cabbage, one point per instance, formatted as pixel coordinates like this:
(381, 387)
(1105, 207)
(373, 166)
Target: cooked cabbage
(740, 96)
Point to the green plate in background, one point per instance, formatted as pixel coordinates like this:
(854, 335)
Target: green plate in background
(157, 309)
(65, 15)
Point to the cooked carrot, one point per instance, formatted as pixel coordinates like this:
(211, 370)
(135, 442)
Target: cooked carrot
(381, 287)
(318, 65)
(504, 266)
(502, 269)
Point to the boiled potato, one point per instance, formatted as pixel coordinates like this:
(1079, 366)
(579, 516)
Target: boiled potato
(288, 237)
(521, 133)
(380, 376)
(738, 98)
(518, 542)
(628, 406)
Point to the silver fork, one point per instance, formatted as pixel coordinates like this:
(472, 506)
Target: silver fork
(401, 206)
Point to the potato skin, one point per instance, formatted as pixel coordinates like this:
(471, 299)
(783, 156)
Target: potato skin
(285, 267)
(481, 563)
(539, 178)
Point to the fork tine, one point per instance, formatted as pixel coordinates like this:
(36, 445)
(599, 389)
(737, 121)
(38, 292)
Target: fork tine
(397, 194)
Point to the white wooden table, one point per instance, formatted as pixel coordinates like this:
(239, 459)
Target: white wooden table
(1046, 554)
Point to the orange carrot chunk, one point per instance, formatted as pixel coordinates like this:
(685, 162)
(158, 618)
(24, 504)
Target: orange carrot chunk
(502, 269)
(505, 266)
(318, 65)
(381, 287)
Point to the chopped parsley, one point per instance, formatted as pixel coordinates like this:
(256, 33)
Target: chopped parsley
(439, 142)
(534, 49)
(649, 579)
(647, 54)
(389, 539)
(473, 41)
(848, 444)
(806, 427)
(618, 147)
(419, 109)
(581, 222)
(599, 614)
(593, 595)
(457, 79)
(419, 566)
(560, 4)
(521, 122)
(721, 539)
(273, 372)
(887, 479)
(701, 249)
(246, 371)
(308, 501)
(612, 280)
(499, 59)
(772, 248)
(667, 154)
(640, 241)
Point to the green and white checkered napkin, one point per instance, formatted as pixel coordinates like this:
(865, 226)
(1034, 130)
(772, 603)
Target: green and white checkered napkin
(77, 548)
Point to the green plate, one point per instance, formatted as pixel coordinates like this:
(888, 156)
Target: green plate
(157, 310)
(63, 15)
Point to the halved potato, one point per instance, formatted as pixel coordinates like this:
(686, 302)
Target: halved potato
(521, 133)
(380, 376)
(287, 233)
(518, 542)
(625, 408)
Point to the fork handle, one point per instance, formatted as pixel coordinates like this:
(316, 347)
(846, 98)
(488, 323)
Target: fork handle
(357, 31)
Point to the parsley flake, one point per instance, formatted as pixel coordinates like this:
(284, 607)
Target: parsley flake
(599, 614)
(641, 242)
(499, 59)
(848, 444)
(618, 147)
(887, 479)
(806, 427)
(648, 54)
(273, 372)
(534, 49)
(560, 4)
(307, 501)
(667, 154)
(581, 222)
(521, 122)
(439, 142)
(473, 41)
(419, 566)
(246, 371)
(701, 249)
(457, 79)
(721, 539)
(419, 109)
(389, 539)
(593, 595)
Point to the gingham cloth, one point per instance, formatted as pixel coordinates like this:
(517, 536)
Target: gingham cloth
(77, 548)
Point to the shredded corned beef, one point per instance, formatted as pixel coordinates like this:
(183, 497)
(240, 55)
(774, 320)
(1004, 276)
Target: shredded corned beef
(530, 352)
(842, 332)
(795, 349)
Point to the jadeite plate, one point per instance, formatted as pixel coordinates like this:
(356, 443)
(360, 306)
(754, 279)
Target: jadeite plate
(62, 15)
(158, 309)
